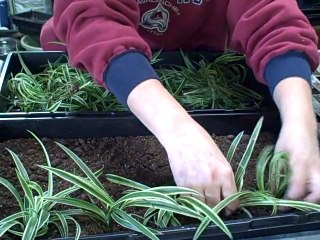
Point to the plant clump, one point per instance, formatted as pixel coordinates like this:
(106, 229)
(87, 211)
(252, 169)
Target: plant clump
(203, 85)
(162, 205)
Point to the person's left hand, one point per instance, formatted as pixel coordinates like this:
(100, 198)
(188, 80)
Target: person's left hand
(299, 139)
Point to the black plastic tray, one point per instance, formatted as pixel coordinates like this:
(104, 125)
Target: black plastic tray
(311, 8)
(102, 124)
(303, 4)
(30, 23)
(313, 15)
(283, 226)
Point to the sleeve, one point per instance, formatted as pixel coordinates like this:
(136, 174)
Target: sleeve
(48, 38)
(96, 33)
(276, 38)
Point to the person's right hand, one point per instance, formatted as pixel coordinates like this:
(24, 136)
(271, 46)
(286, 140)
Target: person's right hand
(197, 162)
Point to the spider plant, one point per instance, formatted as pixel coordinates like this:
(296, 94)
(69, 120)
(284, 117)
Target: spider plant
(36, 212)
(61, 87)
(210, 85)
(272, 177)
(240, 172)
(159, 202)
(58, 88)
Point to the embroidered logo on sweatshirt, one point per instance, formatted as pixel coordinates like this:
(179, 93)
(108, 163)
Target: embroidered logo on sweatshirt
(156, 19)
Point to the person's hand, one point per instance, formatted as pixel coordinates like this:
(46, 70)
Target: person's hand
(298, 137)
(301, 142)
(197, 162)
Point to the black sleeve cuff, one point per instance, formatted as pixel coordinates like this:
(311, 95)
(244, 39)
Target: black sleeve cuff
(291, 64)
(125, 72)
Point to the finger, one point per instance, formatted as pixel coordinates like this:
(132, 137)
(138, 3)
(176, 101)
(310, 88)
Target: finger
(229, 189)
(297, 189)
(213, 196)
(298, 186)
(199, 196)
(313, 198)
(314, 189)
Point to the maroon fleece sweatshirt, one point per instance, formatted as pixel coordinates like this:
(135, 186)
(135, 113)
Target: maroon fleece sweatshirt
(112, 38)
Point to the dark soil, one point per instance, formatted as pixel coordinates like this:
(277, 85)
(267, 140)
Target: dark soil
(142, 159)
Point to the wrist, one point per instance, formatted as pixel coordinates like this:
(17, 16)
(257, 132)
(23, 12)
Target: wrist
(287, 65)
(126, 71)
(159, 111)
(183, 129)
(294, 100)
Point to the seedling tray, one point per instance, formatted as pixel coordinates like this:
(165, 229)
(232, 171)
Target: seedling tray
(285, 226)
(103, 124)
(313, 15)
(30, 23)
(304, 4)
(311, 8)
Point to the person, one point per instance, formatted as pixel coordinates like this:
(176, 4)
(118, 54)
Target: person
(113, 40)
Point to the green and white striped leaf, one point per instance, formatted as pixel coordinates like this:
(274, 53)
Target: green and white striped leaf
(83, 183)
(64, 224)
(173, 190)
(13, 190)
(126, 182)
(50, 177)
(78, 203)
(217, 209)
(234, 146)
(262, 162)
(30, 230)
(19, 165)
(129, 222)
(8, 225)
(208, 212)
(239, 175)
(43, 220)
(25, 187)
(164, 205)
(83, 167)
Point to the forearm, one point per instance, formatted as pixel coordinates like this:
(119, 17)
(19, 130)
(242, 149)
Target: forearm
(294, 100)
(298, 137)
(195, 160)
(158, 110)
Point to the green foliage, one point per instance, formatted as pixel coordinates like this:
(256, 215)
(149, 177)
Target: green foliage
(58, 88)
(272, 177)
(61, 87)
(210, 85)
(240, 173)
(36, 212)
(278, 175)
(161, 205)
